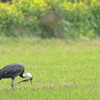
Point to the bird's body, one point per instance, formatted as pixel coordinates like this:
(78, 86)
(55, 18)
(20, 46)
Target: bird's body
(12, 71)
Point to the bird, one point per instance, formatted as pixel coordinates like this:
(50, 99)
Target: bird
(12, 71)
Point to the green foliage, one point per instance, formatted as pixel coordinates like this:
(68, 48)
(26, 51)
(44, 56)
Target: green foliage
(32, 24)
(9, 18)
(47, 19)
(83, 18)
(96, 16)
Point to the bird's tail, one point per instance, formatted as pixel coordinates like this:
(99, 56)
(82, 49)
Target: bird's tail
(1, 74)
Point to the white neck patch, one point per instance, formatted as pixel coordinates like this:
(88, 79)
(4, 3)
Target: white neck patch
(27, 75)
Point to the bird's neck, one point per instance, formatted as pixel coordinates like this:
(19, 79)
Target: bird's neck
(27, 75)
(24, 75)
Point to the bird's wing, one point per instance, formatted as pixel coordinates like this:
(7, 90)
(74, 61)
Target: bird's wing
(1, 74)
(12, 70)
(7, 69)
(4, 71)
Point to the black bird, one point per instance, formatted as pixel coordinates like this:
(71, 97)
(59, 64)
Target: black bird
(12, 71)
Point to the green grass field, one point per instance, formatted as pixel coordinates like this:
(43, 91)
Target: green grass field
(61, 70)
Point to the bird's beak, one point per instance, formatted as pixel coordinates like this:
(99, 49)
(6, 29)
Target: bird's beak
(31, 81)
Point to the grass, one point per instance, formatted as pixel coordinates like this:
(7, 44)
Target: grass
(61, 69)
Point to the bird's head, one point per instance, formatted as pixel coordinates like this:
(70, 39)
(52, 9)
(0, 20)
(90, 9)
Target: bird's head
(30, 77)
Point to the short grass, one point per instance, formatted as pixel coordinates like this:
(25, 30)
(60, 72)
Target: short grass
(61, 70)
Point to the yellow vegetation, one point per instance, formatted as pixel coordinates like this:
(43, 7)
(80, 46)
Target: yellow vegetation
(11, 15)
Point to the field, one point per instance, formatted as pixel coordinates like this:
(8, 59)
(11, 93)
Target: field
(61, 70)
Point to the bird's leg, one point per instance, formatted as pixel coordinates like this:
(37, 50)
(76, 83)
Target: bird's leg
(12, 85)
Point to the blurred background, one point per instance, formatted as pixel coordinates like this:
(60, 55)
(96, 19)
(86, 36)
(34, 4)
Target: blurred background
(50, 18)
